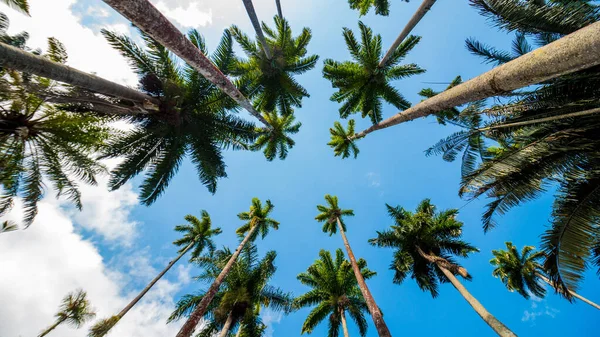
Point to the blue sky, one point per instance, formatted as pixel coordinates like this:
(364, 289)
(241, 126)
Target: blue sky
(391, 168)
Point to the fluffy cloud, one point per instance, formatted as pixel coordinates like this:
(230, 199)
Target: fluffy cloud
(539, 307)
(192, 15)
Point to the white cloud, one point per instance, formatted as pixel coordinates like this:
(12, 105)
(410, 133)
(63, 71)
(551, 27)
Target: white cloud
(97, 12)
(269, 318)
(539, 307)
(190, 15)
(374, 179)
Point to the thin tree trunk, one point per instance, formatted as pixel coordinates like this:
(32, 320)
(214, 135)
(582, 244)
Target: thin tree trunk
(188, 327)
(145, 16)
(17, 59)
(52, 327)
(380, 325)
(239, 332)
(227, 325)
(577, 51)
(414, 20)
(344, 324)
(574, 294)
(278, 3)
(256, 24)
(541, 120)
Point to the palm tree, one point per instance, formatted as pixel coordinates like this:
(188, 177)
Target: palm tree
(19, 5)
(256, 24)
(245, 290)
(74, 310)
(382, 7)
(258, 222)
(39, 142)
(193, 120)
(340, 140)
(522, 272)
(145, 16)
(197, 236)
(276, 141)
(332, 216)
(271, 65)
(335, 292)
(543, 65)
(362, 84)
(425, 242)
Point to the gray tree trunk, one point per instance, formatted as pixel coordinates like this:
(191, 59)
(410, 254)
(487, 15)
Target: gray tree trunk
(577, 51)
(256, 24)
(188, 327)
(414, 20)
(541, 120)
(17, 59)
(344, 324)
(145, 16)
(278, 3)
(52, 327)
(380, 325)
(574, 294)
(227, 325)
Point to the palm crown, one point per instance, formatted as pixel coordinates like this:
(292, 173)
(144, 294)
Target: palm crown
(362, 84)
(382, 7)
(270, 81)
(519, 271)
(276, 141)
(75, 309)
(331, 213)
(334, 292)
(428, 231)
(199, 232)
(341, 140)
(258, 217)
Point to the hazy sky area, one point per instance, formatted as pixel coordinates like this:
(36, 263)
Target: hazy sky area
(115, 246)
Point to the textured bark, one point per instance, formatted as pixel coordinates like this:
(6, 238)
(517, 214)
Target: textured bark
(572, 293)
(146, 17)
(188, 327)
(17, 59)
(278, 3)
(542, 120)
(227, 325)
(239, 331)
(344, 324)
(380, 325)
(256, 24)
(577, 51)
(52, 327)
(454, 268)
(414, 20)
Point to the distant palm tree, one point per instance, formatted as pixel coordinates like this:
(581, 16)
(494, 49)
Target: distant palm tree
(75, 310)
(335, 292)
(276, 142)
(382, 7)
(332, 216)
(198, 236)
(425, 242)
(258, 223)
(20, 5)
(341, 140)
(362, 84)
(244, 292)
(522, 272)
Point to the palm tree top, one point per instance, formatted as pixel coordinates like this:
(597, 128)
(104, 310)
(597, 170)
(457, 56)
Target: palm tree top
(198, 231)
(382, 7)
(342, 140)
(75, 309)
(276, 141)
(519, 271)
(258, 216)
(19, 5)
(331, 213)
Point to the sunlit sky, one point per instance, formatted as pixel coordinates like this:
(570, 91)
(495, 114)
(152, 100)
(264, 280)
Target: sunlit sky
(115, 246)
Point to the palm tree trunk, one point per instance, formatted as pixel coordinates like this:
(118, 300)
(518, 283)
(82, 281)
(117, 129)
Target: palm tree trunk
(149, 19)
(574, 294)
(344, 324)
(414, 20)
(239, 331)
(278, 3)
(380, 325)
(256, 24)
(17, 59)
(574, 52)
(227, 325)
(188, 327)
(541, 120)
(52, 327)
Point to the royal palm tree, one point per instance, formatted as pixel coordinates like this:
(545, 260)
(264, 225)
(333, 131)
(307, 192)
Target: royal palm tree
(38, 141)
(19, 5)
(341, 140)
(382, 7)
(19, 40)
(75, 310)
(332, 215)
(270, 70)
(425, 242)
(257, 223)
(244, 291)
(522, 272)
(335, 292)
(276, 142)
(362, 84)
(197, 236)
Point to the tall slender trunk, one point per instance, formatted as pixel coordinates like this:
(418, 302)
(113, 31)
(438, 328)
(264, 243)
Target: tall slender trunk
(239, 331)
(227, 325)
(572, 293)
(256, 24)
(380, 325)
(17, 59)
(541, 120)
(52, 327)
(188, 327)
(278, 3)
(577, 51)
(445, 267)
(149, 19)
(344, 324)
(414, 20)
